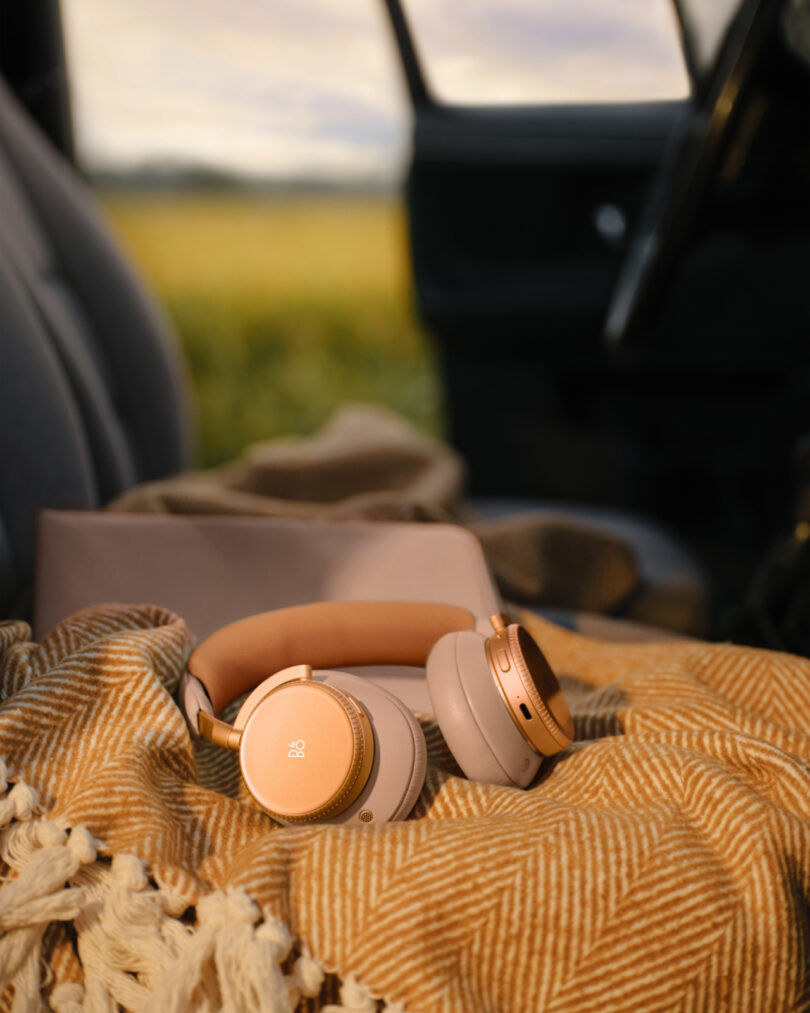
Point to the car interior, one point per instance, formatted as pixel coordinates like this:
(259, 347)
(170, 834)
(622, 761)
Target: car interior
(617, 295)
(650, 377)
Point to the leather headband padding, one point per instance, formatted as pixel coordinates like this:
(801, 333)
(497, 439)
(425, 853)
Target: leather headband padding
(325, 635)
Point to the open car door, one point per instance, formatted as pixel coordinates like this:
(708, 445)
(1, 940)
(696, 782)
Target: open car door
(518, 220)
(521, 222)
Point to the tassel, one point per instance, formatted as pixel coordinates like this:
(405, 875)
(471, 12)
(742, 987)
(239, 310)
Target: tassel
(354, 997)
(36, 897)
(45, 858)
(125, 941)
(249, 964)
(306, 979)
(68, 998)
(20, 803)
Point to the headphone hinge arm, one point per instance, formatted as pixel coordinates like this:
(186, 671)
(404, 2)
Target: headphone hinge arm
(219, 732)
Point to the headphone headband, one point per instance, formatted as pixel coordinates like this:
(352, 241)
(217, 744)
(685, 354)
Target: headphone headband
(325, 635)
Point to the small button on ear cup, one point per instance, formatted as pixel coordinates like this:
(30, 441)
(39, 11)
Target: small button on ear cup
(473, 718)
(400, 754)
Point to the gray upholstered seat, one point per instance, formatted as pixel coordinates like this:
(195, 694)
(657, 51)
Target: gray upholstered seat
(92, 396)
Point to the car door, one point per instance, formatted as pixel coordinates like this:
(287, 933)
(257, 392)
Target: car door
(518, 218)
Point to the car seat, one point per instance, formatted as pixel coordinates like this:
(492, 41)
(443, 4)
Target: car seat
(92, 393)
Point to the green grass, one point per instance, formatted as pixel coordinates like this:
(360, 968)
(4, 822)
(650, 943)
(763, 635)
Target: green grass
(285, 308)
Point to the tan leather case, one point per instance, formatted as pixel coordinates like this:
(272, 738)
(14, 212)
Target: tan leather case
(214, 570)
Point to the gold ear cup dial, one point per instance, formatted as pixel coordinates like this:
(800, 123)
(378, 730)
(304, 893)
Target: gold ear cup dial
(541, 685)
(306, 752)
(529, 688)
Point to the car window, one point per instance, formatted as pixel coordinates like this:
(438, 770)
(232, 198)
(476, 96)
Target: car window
(706, 25)
(543, 51)
(304, 89)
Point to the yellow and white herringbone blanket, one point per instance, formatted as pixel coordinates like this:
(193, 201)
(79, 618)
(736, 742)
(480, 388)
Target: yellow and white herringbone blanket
(660, 863)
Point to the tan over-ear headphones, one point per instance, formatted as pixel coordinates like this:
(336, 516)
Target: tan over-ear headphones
(338, 747)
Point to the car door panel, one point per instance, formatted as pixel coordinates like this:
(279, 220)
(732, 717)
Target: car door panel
(504, 203)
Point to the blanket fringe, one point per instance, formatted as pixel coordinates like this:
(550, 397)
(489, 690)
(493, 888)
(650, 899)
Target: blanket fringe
(134, 951)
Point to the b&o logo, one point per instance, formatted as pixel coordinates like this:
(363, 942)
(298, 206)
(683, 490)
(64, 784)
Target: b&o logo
(296, 749)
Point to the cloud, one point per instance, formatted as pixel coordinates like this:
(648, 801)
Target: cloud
(312, 87)
(542, 51)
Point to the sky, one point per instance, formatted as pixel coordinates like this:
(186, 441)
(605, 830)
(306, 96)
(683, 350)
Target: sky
(312, 88)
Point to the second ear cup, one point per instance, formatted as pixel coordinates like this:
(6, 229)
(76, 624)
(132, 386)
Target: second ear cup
(473, 718)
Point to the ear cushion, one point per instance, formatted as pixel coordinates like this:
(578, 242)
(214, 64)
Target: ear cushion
(400, 753)
(419, 764)
(473, 716)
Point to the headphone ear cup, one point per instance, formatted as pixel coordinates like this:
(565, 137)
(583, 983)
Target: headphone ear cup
(473, 716)
(400, 753)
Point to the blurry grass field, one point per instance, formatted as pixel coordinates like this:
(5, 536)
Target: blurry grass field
(285, 307)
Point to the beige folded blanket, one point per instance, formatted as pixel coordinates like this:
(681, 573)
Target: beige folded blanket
(660, 863)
